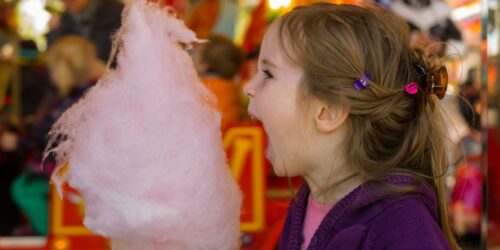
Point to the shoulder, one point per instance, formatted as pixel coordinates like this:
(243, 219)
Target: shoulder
(407, 223)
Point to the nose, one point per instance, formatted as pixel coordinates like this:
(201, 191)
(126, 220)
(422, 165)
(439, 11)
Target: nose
(249, 90)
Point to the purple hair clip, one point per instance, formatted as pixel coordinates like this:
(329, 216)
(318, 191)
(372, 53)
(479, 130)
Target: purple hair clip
(363, 81)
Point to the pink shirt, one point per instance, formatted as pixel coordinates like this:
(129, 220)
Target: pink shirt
(314, 215)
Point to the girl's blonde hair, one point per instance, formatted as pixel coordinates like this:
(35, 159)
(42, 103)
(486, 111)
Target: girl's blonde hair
(73, 60)
(390, 130)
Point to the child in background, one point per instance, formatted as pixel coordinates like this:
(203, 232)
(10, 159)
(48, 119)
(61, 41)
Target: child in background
(74, 67)
(350, 107)
(218, 63)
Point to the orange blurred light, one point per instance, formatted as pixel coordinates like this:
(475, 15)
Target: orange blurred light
(61, 244)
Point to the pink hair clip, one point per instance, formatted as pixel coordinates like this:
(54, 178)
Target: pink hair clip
(411, 88)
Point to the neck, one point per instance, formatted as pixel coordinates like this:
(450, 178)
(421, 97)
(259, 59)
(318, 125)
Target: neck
(330, 176)
(330, 182)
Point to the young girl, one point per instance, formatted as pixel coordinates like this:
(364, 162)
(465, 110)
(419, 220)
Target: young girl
(350, 107)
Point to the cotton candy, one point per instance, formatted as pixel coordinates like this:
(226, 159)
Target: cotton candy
(144, 147)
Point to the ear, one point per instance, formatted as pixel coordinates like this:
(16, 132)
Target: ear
(328, 118)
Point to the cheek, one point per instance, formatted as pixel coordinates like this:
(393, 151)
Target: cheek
(261, 106)
(276, 110)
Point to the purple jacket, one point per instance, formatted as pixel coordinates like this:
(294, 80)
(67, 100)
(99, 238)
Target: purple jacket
(365, 220)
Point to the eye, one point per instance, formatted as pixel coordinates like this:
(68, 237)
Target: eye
(267, 74)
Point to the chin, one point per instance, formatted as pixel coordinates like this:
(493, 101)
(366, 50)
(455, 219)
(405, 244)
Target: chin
(277, 169)
(280, 171)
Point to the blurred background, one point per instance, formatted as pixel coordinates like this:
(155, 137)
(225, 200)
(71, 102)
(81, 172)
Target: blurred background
(51, 51)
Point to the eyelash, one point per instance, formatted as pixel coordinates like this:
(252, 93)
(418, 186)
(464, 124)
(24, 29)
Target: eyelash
(267, 74)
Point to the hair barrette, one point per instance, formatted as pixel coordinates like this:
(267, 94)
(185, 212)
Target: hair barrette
(438, 80)
(435, 82)
(363, 81)
(411, 88)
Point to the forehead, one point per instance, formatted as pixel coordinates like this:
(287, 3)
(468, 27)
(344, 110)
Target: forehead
(271, 36)
(271, 49)
(279, 52)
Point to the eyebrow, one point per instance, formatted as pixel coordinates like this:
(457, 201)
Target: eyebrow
(267, 62)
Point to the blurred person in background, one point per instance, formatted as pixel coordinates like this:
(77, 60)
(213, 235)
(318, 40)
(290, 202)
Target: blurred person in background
(33, 84)
(470, 104)
(35, 80)
(10, 156)
(74, 67)
(430, 23)
(95, 20)
(466, 194)
(218, 62)
(10, 167)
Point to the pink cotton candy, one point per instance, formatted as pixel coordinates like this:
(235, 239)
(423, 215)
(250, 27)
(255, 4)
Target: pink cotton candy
(144, 145)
